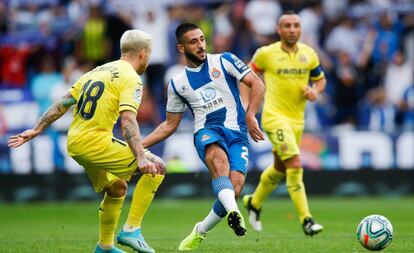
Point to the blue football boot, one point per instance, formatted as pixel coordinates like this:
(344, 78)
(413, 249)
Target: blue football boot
(135, 240)
(98, 249)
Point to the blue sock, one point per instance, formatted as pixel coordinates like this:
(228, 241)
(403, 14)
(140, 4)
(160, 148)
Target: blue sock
(221, 183)
(219, 209)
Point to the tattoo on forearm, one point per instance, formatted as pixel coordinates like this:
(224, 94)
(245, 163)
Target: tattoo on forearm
(52, 114)
(129, 133)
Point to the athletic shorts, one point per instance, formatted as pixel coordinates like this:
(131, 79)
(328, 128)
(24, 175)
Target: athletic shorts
(115, 162)
(285, 138)
(234, 143)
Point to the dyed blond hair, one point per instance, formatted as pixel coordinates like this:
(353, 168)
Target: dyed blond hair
(134, 41)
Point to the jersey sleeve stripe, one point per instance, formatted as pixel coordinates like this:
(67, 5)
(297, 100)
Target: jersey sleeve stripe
(247, 71)
(181, 97)
(127, 105)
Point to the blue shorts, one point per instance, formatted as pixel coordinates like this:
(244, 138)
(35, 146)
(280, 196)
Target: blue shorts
(234, 143)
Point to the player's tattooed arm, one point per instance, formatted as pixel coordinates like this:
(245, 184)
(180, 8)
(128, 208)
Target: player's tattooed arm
(54, 112)
(130, 130)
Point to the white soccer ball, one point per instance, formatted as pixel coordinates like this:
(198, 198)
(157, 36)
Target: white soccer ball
(374, 232)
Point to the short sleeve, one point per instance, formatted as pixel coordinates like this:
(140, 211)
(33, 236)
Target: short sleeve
(258, 60)
(316, 71)
(234, 66)
(130, 94)
(175, 102)
(76, 89)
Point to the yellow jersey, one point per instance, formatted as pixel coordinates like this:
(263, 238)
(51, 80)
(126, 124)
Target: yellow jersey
(101, 94)
(286, 75)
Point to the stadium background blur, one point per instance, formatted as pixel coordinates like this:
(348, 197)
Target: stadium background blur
(359, 136)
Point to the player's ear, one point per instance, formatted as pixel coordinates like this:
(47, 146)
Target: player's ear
(142, 53)
(180, 48)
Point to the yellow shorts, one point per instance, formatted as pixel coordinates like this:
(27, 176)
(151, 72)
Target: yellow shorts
(285, 137)
(115, 162)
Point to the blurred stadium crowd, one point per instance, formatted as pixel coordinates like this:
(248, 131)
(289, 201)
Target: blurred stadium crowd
(366, 48)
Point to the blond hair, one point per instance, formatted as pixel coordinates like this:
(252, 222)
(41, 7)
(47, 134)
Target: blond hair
(135, 40)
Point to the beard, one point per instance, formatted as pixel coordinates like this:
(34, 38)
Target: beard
(194, 58)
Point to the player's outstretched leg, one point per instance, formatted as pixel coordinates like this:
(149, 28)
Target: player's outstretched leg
(310, 227)
(193, 240)
(236, 222)
(254, 213)
(114, 249)
(135, 240)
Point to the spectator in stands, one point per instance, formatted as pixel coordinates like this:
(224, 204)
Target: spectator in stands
(223, 29)
(151, 16)
(42, 86)
(407, 107)
(347, 82)
(387, 39)
(376, 113)
(262, 16)
(95, 43)
(4, 20)
(398, 77)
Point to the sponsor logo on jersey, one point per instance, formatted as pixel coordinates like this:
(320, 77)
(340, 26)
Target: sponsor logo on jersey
(292, 71)
(208, 94)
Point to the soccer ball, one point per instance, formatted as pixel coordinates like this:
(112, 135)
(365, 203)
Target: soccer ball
(374, 232)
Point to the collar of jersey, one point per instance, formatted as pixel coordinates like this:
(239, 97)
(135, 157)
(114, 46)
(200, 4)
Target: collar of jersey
(196, 69)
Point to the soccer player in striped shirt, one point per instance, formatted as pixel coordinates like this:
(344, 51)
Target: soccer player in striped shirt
(209, 87)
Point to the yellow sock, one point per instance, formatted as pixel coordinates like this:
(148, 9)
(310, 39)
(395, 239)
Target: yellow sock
(109, 212)
(268, 182)
(143, 194)
(296, 189)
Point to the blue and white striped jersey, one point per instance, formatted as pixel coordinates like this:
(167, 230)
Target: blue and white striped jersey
(211, 92)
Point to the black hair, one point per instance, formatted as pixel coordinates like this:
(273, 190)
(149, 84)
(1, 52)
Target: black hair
(183, 28)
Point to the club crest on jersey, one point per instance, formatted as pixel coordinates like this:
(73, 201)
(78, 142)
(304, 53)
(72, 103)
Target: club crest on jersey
(302, 59)
(215, 73)
(205, 137)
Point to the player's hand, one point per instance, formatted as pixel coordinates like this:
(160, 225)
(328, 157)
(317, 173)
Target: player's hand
(147, 167)
(311, 94)
(254, 130)
(20, 139)
(159, 163)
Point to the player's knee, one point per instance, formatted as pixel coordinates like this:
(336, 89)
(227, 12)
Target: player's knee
(118, 189)
(293, 162)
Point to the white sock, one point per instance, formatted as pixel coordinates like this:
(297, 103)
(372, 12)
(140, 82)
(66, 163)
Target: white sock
(228, 199)
(105, 246)
(129, 229)
(209, 222)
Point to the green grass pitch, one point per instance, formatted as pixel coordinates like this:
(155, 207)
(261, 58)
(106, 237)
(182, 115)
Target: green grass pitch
(72, 227)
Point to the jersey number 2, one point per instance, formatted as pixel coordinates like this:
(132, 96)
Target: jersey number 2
(89, 99)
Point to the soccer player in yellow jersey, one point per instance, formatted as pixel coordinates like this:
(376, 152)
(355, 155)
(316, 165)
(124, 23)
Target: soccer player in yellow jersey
(288, 67)
(101, 96)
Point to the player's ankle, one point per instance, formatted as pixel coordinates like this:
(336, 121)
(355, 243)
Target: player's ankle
(105, 246)
(129, 229)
